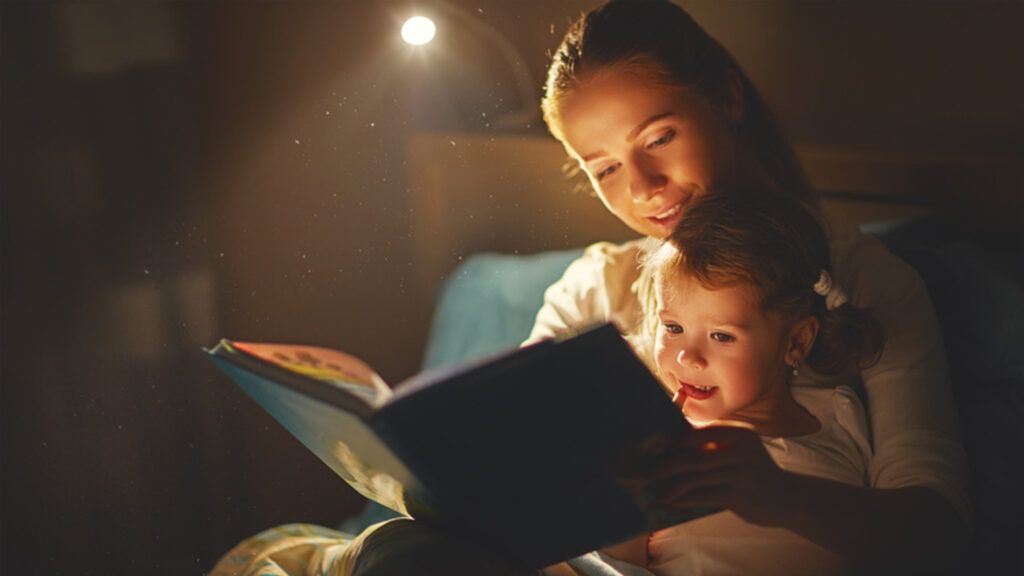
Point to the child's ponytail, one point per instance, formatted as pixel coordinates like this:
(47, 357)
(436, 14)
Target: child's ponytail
(849, 338)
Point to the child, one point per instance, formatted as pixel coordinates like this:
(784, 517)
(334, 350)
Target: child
(742, 304)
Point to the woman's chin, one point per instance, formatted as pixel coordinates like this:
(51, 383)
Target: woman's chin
(656, 229)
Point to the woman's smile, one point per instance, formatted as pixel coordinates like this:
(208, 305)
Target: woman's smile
(667, 218)
(647, 151)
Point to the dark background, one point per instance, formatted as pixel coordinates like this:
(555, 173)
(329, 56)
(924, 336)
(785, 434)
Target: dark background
(175, 172)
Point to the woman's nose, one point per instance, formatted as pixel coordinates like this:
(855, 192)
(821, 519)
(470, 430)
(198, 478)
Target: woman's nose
(646, 181)
(691, 358)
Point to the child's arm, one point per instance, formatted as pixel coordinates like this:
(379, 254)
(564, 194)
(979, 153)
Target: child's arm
(633, 551)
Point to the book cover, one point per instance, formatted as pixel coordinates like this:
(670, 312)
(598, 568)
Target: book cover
(511, 450)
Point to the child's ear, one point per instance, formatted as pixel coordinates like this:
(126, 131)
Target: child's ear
(801, 339)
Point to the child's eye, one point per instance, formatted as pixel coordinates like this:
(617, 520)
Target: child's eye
(673, 328)
(606, 172)
(722, 337)
(662, 140)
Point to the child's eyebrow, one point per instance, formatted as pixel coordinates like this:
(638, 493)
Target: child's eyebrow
(729, 324)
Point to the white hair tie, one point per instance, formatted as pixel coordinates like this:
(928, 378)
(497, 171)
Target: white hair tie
(834, 295)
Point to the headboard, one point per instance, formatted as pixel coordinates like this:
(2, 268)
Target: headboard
(510, 193)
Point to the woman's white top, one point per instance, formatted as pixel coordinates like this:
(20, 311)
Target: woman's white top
(911, 420)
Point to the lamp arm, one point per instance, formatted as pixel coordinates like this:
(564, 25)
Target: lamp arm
(527, 114)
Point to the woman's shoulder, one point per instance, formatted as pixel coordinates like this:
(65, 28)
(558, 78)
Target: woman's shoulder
(604, 267)
(869, 272)
(596, 287)
(612, 254)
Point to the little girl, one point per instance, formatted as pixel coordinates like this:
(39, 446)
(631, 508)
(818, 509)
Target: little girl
(742, 303)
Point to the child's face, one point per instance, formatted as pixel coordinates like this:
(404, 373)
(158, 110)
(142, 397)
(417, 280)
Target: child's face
(722, 353)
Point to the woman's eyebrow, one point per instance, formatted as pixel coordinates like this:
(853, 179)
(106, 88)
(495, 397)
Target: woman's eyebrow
(631, 136)
(640, 127)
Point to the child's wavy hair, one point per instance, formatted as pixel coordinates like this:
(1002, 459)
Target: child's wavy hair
(776, 248)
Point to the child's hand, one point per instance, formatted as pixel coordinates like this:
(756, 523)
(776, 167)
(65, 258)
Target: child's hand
(721, 467)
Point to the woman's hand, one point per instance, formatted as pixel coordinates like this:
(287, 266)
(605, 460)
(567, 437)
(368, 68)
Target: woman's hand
(718, 467)
(904, 529)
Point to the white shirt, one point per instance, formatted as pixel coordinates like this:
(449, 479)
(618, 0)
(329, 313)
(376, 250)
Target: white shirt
(912, 424)
(723, 544)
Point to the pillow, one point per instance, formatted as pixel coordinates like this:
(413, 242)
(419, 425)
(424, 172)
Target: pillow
(977, 300)
(489, 303)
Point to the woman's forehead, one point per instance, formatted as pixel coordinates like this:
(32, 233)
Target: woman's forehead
(609, 108)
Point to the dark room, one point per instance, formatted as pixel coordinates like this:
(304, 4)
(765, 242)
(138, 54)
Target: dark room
(546, 287)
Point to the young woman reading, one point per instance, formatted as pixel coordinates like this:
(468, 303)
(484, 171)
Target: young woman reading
(657, 113)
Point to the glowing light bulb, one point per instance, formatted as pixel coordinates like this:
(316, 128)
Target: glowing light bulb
(418, 30)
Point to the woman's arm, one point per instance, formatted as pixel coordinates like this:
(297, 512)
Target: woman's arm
(913, 417)
(917, 512)
(910, 530)
(903, 529)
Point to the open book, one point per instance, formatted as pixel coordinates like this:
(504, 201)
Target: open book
(511, 451)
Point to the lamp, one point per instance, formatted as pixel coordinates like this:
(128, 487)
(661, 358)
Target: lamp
(420, 30)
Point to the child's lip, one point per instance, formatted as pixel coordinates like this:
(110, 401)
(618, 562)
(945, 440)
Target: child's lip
(679, 398)
(691, 390)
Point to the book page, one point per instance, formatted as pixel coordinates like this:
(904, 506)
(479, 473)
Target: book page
(341, 439)
(331, 366)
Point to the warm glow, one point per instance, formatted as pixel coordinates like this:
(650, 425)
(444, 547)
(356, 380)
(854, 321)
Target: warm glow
(709, 446)
(418, 30)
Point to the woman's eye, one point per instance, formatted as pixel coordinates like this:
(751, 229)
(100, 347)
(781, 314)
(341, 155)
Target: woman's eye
(662, 140)
(606, 172)
(673, 328)
(722, 337)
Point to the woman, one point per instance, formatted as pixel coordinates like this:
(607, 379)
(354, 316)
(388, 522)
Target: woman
(657, 113)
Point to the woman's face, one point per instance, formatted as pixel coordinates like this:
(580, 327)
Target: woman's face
(648, 151)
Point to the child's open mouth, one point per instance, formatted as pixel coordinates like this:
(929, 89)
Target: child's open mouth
(697, 392)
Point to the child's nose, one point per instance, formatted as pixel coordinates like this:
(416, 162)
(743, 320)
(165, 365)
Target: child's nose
(691, 358)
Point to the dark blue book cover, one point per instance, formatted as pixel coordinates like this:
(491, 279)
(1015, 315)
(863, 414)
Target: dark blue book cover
(511, 450)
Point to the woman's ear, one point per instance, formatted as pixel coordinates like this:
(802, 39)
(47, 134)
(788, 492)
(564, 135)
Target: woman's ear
(801, 340)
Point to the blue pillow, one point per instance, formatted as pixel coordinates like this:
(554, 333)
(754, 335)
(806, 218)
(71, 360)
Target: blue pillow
(979, 305)
(489, 303)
